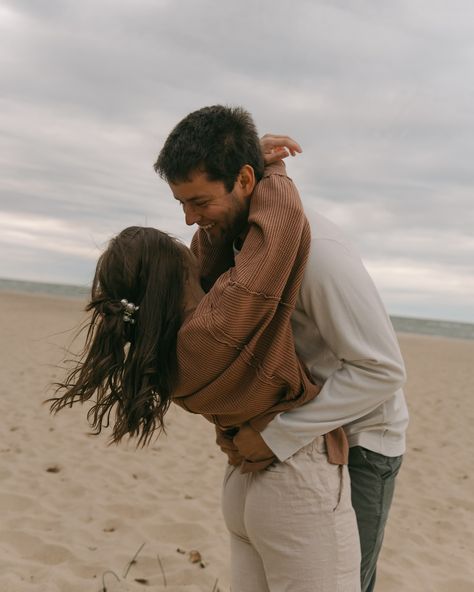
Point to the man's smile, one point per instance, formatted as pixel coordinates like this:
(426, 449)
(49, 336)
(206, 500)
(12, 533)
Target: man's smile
(206, 227)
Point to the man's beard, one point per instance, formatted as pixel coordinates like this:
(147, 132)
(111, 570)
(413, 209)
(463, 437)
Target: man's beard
(230, 230)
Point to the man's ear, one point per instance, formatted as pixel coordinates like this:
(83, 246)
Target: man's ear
(246, 180)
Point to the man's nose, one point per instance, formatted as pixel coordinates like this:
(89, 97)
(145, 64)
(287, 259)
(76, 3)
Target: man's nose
(190, 215)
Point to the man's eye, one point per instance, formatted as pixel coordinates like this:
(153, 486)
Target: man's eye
(194, 204)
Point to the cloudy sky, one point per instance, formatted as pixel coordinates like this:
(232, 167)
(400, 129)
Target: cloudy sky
(379, 93)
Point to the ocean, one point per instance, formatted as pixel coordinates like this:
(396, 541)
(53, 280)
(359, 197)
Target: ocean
(401, 324)
(63, 290)
(433, 327)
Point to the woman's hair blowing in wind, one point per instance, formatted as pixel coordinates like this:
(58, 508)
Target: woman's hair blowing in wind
(129, 361)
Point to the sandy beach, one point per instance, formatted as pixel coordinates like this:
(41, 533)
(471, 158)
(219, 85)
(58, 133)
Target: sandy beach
(74, 511)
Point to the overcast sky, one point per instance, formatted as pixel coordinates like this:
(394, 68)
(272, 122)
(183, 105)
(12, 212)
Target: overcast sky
(379, 93)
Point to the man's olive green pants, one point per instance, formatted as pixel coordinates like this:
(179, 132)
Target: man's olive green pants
(372, 486)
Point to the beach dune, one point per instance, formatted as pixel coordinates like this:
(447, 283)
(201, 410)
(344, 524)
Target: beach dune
(74, 511)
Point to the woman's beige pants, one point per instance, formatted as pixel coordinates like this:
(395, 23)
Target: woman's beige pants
(292, 526)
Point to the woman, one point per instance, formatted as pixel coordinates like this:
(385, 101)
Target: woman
(229, 355)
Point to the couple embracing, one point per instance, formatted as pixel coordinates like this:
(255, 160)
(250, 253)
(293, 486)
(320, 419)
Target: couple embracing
(271, 328)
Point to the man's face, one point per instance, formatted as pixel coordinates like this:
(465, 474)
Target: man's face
(221, 214)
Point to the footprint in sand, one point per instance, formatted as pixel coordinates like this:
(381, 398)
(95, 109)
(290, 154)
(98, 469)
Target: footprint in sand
(179, 533)
(10, 502)
(35, 549)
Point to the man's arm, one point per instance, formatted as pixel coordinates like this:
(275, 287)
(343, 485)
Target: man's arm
(341, 299)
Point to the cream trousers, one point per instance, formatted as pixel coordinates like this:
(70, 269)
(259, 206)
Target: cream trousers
(292, 526)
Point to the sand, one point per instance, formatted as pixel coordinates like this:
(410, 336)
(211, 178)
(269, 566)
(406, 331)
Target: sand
(73, 510)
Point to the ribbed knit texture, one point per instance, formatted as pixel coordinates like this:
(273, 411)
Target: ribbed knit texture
(236, 353)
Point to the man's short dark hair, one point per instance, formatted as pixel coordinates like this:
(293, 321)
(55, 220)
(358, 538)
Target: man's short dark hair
(217, 140)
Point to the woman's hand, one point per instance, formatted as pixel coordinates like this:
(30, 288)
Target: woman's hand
(250, 445)
(275, 148)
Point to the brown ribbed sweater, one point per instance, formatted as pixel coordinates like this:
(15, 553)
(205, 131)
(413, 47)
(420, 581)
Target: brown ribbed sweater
(236, 355)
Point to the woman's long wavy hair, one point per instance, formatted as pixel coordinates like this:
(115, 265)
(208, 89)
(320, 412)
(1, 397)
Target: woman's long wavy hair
(130, 367)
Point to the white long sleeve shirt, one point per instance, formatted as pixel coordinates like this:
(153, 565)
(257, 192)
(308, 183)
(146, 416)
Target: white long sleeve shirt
(344, 335)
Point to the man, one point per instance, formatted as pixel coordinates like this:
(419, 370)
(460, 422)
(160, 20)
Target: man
(340, 327)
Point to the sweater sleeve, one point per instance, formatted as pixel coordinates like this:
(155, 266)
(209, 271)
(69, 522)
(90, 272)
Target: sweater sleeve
(212, 262)
(244, 300)
(276, 220)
